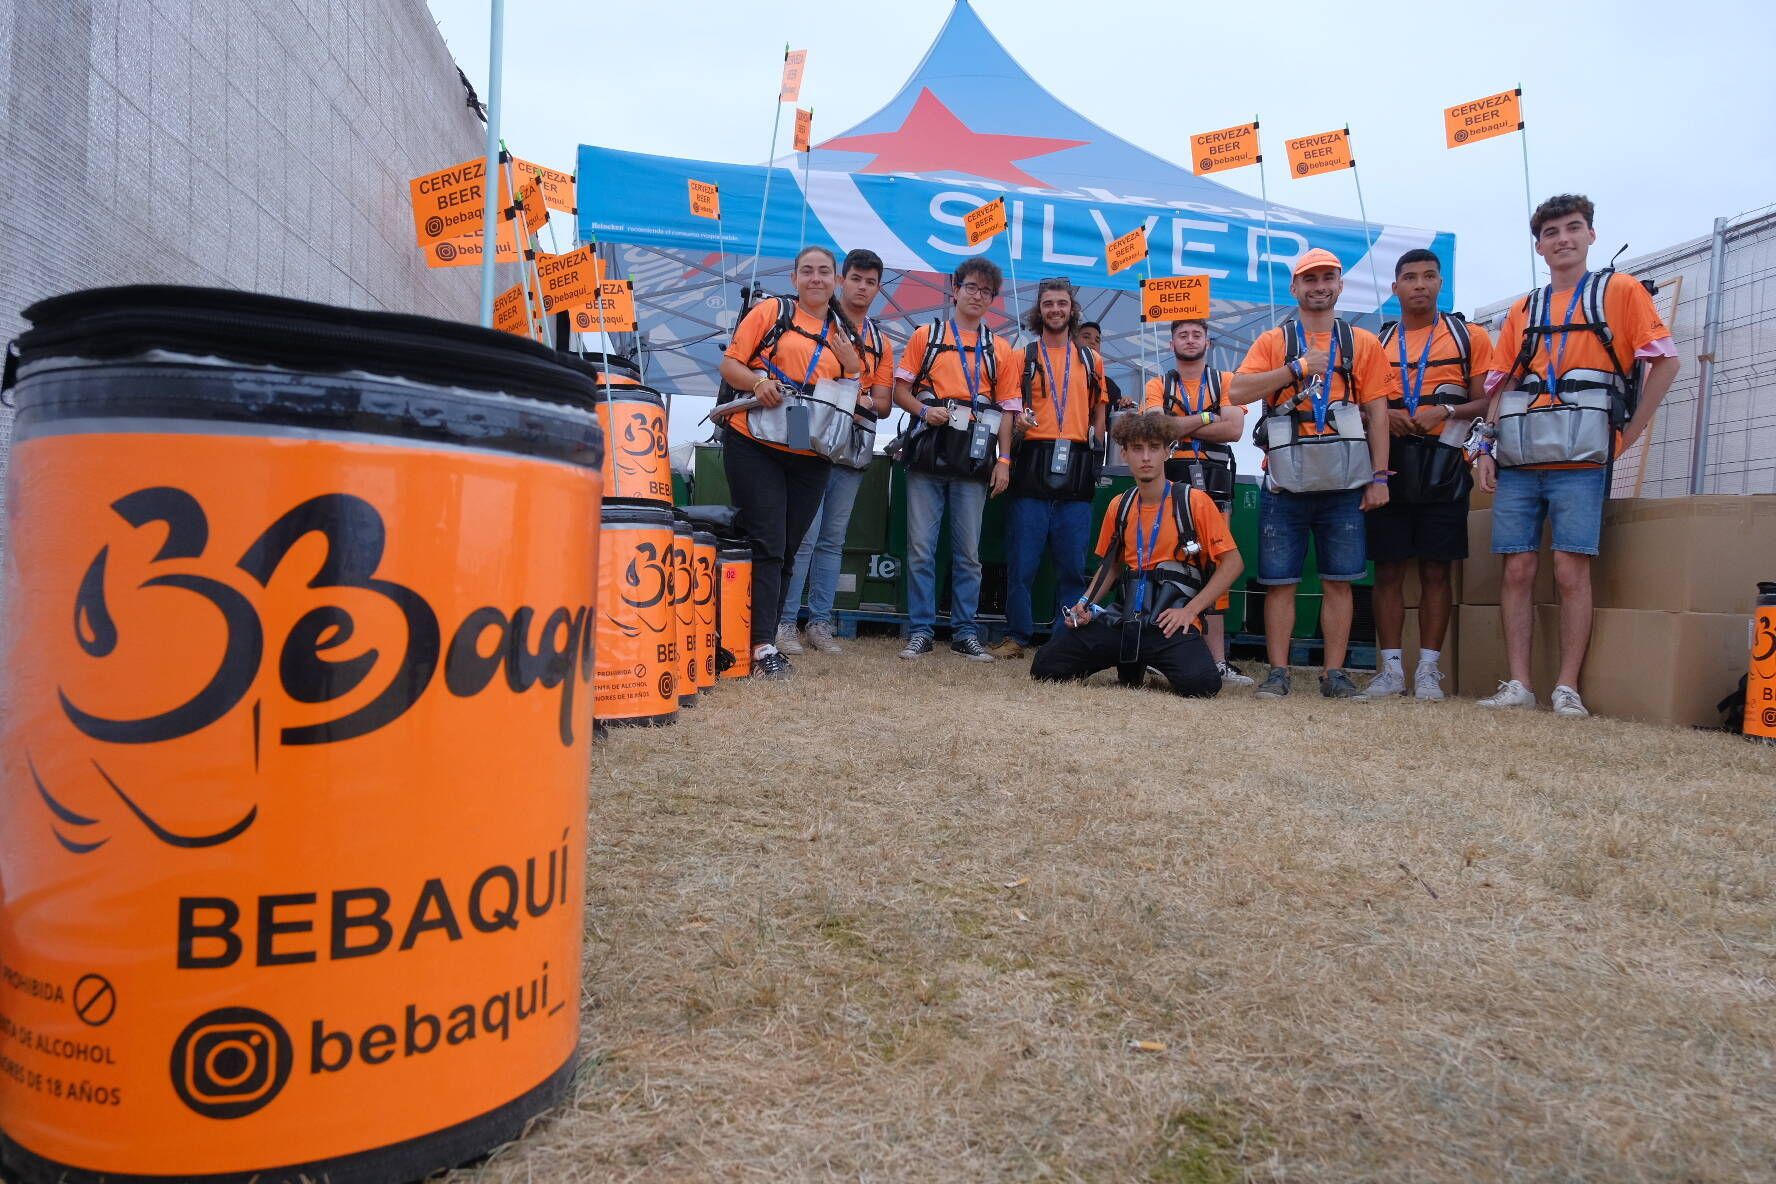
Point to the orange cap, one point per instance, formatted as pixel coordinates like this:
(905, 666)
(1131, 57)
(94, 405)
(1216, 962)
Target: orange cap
(1318, 257)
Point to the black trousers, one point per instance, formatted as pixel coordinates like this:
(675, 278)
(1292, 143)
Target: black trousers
(1183, 658)
(777, 494)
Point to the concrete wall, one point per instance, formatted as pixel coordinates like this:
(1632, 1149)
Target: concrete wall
(1741, 453)
(253, 144)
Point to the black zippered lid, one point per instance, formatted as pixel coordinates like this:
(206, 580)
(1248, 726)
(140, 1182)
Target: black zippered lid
(259, 330)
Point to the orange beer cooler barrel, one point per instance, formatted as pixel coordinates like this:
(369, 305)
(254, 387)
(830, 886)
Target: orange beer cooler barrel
(295, 592)
(612, 369)
(637, 468)
(1760, 683)
(684, 598)
(733, 604)
(637, 676)
(704, 549)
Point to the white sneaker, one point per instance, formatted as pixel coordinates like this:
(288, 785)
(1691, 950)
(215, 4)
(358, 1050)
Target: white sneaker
(1386, 685)
(787, 642)
(1512, 694)
(1427, 683)
(1567, 702)
(820, 636)
(1233, 676)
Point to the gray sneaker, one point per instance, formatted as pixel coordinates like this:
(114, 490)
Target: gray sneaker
(971, 648)
(819, 636)
(1391, 682)
(1275, 684)
(917, 646)
(786, 639)
(1233, 676)
(1336, 684)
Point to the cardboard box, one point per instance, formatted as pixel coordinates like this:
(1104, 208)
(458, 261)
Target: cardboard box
(1483, 571)
(1686, 554)
(1481, 639)
(1657, 667)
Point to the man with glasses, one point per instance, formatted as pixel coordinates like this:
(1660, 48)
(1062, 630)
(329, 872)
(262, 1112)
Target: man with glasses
(960, 383)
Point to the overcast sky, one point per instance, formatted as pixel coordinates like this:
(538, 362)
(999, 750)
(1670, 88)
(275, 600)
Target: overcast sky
(1665, 114)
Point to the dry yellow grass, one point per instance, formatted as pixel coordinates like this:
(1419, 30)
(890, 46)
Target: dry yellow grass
(906, 921)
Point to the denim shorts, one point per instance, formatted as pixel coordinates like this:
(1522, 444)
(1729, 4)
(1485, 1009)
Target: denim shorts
(1571, 498)
(1335, 522)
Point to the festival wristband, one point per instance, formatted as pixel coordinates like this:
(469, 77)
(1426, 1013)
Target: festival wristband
(1208, 418)
(1381, 476)
(921, 413)
(1004, 459)
(1295, 369)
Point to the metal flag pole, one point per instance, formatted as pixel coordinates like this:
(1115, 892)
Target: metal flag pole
(765, 202)
(1141, 319)
(1374, 276)
(721, 245)
(1017, 304)
(1528, 200)
(1264, 191)
(489, 228)
(526, 244)
(807, 157)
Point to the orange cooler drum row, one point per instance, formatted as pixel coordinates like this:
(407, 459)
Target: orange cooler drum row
(637, 673)
(297, 595)
(704, 549)
(684, 603)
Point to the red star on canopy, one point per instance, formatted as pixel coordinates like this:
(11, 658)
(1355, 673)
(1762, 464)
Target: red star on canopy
(932, 139)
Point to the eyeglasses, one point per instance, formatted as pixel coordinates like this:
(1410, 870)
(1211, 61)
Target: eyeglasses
(974, 289)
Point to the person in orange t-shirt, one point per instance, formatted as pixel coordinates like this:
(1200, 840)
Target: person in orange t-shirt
(1173, 580)
(966, 373)
(1562, 475)
(1195, 393)
(776, 488)
(1442, 363)
(1332, 515)
(1054, 474)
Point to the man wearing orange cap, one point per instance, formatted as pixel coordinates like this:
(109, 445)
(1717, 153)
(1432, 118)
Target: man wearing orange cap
(1324, 384)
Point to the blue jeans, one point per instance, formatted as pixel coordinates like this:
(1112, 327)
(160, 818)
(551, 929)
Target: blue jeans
(926, 498)
(1572, 498)
(823, 549)
(1033, 525)
(1333, 519)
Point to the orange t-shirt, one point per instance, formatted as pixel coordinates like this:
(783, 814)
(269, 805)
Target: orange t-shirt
(1153, 399)
(1444, 365)
(1080, 404)
(878, 368)
(791, 354)
(1211, 530)
(949, 380)
(1375, 379)
(1633, 320)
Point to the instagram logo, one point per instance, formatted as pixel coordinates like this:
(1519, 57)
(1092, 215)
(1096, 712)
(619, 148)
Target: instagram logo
(230, 1062)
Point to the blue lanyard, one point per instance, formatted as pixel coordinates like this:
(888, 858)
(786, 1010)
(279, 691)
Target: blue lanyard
(1202, 390)
(973, 380)
(1141, 552)
(813, 362)
(1413, 391)
(1322, 402)
(1559, 357)
(1058, 396)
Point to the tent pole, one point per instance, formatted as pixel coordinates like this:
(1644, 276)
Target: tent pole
(1374, 276)
(721, 245)
(1528, 201)
(490, 174)
(1011, 239)
(807, 160)
(1264, 191)
(765, 202)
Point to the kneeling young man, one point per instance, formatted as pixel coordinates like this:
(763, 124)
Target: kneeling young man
(1169, 548)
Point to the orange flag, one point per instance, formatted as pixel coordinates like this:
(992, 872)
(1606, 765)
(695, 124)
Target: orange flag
(1125, 252)
(1311, 155)
(530, 206)
(794, 62)
(804, 130)
(508, 312)
(466, 251)
(983, 222)
(614, 311)
(1230, 148)
(705, 199)
(1175, 298)
(570, 281)
(558, 187)
(450, 203)
(1482, 119)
